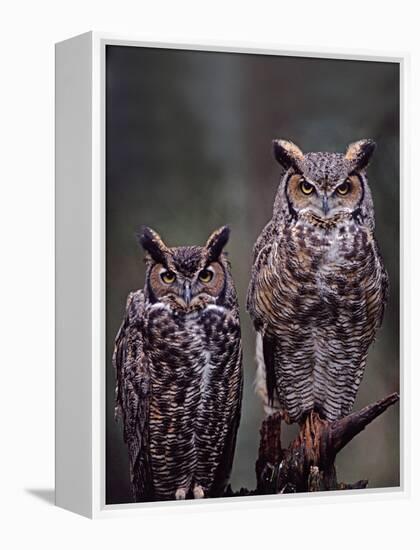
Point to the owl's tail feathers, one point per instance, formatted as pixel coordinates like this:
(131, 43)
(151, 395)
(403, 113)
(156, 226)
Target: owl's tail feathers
(269, 398)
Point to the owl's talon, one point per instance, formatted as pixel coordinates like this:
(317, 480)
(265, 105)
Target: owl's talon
(180, 494)
(198, 492)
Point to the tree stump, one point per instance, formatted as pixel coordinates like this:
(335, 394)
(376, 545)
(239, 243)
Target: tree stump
(307, 465)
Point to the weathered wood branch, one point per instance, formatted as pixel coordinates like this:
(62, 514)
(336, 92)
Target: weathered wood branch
(344, 430)
(308, 464)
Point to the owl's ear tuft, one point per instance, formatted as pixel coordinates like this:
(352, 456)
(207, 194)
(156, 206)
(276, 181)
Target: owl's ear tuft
(153, 244)
(287, 154)
(216, 242)
(360, 152)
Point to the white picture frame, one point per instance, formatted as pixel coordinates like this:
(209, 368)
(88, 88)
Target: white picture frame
(80, 278)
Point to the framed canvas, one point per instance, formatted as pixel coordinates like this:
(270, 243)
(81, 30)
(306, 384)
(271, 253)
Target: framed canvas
(228, 275)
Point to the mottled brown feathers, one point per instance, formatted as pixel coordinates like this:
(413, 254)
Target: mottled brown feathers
(178, 360)
(318, 286)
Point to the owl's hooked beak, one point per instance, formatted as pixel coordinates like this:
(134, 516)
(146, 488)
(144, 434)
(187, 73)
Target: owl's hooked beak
(187, 292)
(325, 205)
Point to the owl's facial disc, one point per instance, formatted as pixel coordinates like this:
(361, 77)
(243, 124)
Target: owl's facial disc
(345, 197)
(187, 291)
(208, 283)
(324, 200)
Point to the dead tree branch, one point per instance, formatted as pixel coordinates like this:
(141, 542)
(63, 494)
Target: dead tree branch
(308, 463)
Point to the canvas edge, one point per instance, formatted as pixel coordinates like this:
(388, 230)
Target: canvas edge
(73, 252)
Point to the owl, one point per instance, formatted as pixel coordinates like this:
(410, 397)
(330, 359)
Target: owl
(178, 362)
(318, 286)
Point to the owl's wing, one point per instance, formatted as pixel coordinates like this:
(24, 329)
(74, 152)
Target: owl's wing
(384, 283)
(261, 284)
(233, 367)
(261, 251)
(132, 394)
(269, 352)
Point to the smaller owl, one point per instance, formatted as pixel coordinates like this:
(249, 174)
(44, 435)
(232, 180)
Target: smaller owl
(319, 286)
(178, 361)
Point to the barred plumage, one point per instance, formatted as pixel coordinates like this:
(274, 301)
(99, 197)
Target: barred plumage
(178, 360)
(318, 286)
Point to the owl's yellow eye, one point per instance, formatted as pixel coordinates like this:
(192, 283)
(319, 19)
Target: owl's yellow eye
(168, 277)
(344, 188)
(306, 187)
(205, 275)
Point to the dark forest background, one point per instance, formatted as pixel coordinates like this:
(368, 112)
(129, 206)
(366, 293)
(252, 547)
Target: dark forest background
(188, 149)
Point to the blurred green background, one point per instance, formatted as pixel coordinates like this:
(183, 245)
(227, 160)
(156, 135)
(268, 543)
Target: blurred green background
(188, 148)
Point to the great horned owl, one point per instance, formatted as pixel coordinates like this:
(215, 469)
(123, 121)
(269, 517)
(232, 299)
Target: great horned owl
(318, 287)
(178, 361)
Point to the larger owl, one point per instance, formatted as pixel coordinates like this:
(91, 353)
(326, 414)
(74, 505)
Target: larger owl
(178, 361)
(318, 287)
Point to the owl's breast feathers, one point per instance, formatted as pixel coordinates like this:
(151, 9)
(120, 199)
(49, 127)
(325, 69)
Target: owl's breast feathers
(317, 299)
(193, 364)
